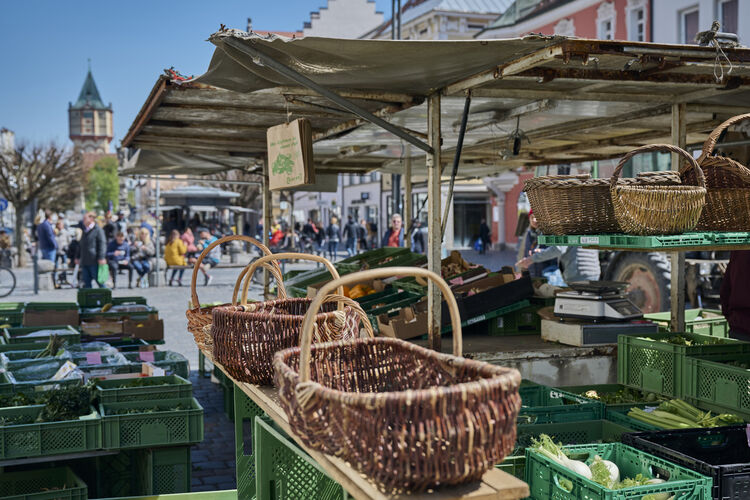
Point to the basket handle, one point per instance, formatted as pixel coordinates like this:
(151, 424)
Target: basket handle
(288, 255)
(356, 307)
(710, 144)
(309, 321)
(275, 272)
(225, 239)
(665, 148)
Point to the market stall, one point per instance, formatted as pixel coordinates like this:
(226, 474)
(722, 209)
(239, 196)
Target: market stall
(594, 85)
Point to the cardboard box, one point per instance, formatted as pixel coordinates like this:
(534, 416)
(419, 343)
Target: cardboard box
(147, 329)
(51, 317)
(408, 323)
(101, 328)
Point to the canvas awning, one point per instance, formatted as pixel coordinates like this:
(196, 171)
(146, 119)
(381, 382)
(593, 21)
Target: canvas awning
(574, 99)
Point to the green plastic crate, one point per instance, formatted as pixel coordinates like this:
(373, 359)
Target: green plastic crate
(47, 438)
(635, 242)
(172, 362)
(17, 335)
(286, 471)
(168, 470)
(94, 297)
(609, 389)
(620, 416)
(701, 321)
(133, 299)
(128, 345)
(594, 431)
(51, 306)
(712, 383)
(95, 314)
(155, 423)
(373, 257)
(522, 322)
(11, 313)
(245, 411)
(168, 387)
(45, 484)
(228, 401)
(543, 405)
(545, 477)
(18, 381)
(659, 367)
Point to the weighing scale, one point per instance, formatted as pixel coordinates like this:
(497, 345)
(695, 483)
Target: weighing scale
(596, 301)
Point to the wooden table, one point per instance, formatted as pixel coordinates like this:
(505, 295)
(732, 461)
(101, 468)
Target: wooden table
(495, 484)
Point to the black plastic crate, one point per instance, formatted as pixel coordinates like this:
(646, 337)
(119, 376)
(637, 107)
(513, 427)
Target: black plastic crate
(721, 453)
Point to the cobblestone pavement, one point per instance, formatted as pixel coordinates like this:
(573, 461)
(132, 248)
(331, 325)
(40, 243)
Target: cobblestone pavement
(213, 459)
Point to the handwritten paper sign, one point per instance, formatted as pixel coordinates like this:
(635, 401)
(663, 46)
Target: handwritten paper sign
(290, 157)
(94, 358)
(146, 356)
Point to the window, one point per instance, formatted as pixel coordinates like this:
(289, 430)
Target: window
(605, 21)
(88, 114)
(475, 26)
(636, 20)
(728, 14)
(688, 25)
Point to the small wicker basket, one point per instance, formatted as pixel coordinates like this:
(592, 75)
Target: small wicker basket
(407, 417)
(199, 317)
(657, 209)
(246, 336)
(727, 183)
(578, 204)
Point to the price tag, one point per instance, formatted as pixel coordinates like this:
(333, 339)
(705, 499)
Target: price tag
(589, 240)
(457, 281)
(146, 356)
(94, 358)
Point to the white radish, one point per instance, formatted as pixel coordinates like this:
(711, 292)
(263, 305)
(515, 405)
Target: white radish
(579, 468)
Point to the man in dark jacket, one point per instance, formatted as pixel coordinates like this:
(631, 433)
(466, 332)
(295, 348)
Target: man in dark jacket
(46, 236)
(118, 257)
(350, 233)
(735, 295)
(93, 250)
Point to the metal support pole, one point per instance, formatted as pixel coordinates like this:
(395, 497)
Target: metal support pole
(433, 227)
(267, 221)
(293, 75)
(157, 233)
(677, 303)
(456, 161)
(407, 199)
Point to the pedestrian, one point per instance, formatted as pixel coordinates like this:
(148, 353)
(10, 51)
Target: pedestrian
(529, 245)
(62, 237)
(122, 222)
(350, 235)
(141, 256)
(417, 239)
(174, 255)
(214, 256)
(118, 257)
(93, 251)
(188, 238)
(145, 225)
(110, 227)
(362, 235)
(735, 295)
(333, 234)
(46, 238)
(320, 238)
(394, 237)
(484, 236)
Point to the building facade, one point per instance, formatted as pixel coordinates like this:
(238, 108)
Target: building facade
(90, 120)
(680, 20)
(343, 19)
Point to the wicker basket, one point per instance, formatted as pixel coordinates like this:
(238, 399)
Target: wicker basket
(246, 336)
(407, 417)
(200, 317)
(657, 209)
(728, 186)
(578, 204)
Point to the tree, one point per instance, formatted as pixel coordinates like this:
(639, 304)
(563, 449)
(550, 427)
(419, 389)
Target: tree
(48, 174)
(102, 185)
(250, 194)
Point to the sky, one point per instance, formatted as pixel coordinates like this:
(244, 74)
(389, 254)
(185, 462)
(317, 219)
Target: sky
(45, 45)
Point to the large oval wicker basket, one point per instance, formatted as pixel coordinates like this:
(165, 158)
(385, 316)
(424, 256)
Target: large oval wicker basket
(578, 204)
(199, 318)
(246, 336)
(657, 209)
(407, 417)
(727, 183)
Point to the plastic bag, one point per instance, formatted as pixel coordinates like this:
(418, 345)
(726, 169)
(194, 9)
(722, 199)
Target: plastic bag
(102, 275)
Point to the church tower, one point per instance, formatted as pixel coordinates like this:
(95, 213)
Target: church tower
(90, 121)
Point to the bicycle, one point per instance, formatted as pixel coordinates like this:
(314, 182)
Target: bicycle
(7, 277)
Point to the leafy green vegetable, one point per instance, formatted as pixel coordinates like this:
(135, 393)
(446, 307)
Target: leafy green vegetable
(600, 472)
(639, 480)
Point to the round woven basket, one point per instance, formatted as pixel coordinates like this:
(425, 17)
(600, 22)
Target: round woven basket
(727, 183)
(657, 209)
(578, 204)
(246, 336)
(407, 417)
(199, 317)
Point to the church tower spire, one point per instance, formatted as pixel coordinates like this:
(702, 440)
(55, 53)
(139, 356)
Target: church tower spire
(90, 120)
